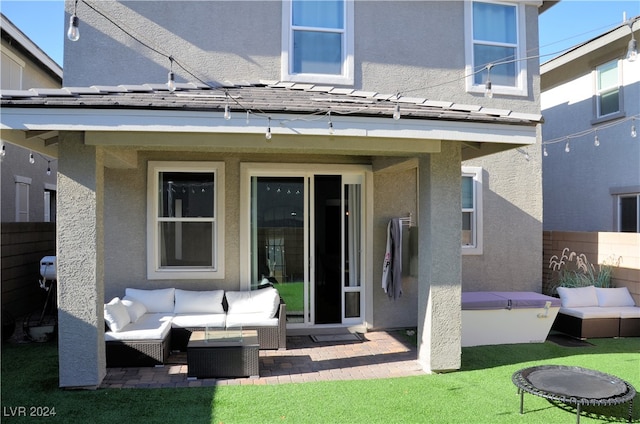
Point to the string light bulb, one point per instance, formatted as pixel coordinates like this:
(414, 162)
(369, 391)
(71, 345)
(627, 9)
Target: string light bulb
(247, 121)
(632, 47)
(48, 167)
(171, 79)
(330, 124)
(3, 152)
(267, 135)
(73, 33)
(32, 160)
(567, 148)
(634, 133)
(396, 112)
(488, 91)
(544, 151)
(596, 140)
(227, 113)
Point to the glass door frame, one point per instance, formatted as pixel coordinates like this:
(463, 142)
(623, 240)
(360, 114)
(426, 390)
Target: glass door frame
(307, 171)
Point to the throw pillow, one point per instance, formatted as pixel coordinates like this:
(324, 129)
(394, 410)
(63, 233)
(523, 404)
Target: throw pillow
(156, 301)
(578, 297)
(616, 296)
(116, 315)
(199, 302)
(135, 308)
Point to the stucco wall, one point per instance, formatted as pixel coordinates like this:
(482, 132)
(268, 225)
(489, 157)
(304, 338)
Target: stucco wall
(578, 185)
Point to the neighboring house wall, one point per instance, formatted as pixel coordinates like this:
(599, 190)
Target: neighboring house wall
(582, 186)
(385, 61)
(25, 66)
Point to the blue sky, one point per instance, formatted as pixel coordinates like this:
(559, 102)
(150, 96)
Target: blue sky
(566, 24)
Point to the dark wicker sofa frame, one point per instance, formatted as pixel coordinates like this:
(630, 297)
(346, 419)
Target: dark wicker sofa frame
(596, 327)
(149, 353)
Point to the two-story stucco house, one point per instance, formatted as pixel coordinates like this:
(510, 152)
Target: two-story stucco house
(296, 131)
(591, 162)
(28, 179)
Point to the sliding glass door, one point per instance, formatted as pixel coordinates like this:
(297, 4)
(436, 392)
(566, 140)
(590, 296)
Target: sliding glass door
(306, 240)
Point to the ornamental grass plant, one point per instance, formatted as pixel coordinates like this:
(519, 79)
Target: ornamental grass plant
(480, 392)
(572, 269)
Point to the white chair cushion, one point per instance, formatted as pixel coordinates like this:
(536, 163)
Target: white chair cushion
(199, 320)
(134, 308)
(617, 296)
(629, 311)
(116, 315)
(264, 301)
(588, 312)
(156, 301)
(578, 297)
(199, 302)
(250, 320)
(148, 327)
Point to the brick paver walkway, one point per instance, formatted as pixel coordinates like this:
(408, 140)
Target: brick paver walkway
(380, 355)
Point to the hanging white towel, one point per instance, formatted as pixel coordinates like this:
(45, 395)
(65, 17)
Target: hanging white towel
(392, 265)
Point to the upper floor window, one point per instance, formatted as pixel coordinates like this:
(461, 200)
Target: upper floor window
(185, 220)
(22, 198)
(495, 34)
(608, 96)
(317, 40)
(471, 210)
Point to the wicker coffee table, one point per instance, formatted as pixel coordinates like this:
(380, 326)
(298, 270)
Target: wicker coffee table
(223, 353)
(574, 385)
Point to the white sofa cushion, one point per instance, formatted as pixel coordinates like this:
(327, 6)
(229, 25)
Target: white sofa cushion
(629, 311)
(578, 297)
(116, 315)
(199, 302)
(134, 308)
(156, 301)
(199, 320)
(616, 296)
(148, 327)
(250, 320)
(264, 301)
(587, 312)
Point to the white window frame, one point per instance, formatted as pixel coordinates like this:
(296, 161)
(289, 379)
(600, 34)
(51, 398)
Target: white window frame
(154, 271)
(599, 117)
(23, 185)
(347, 77)
(521, 87)
(476, 248)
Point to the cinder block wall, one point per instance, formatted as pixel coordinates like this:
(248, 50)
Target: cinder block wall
(599, 247)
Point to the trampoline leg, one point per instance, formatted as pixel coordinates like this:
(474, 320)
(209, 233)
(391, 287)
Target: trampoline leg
(521, 402)
(578, 414)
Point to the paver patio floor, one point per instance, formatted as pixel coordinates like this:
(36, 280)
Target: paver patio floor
(380, 354)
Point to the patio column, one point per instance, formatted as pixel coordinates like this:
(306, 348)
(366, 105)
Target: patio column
(80, 243)
(439, 270)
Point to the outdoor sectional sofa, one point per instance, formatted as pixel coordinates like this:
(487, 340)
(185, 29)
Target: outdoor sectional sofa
(145, 325)
(589, 312)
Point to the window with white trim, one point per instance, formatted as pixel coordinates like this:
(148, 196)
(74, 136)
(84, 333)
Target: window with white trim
(629, 213)
(317, 41)
(495, 34)
(471, 210)
(185, 220)
(608, 95)
(23, 185)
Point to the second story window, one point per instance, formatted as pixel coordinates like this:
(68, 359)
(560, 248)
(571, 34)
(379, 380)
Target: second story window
(318, 41)
(495, 37)
(608, 99)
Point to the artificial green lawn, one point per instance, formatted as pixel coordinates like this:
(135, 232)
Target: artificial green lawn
(481, 392)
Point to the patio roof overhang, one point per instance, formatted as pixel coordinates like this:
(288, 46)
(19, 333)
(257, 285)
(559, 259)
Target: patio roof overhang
(149, 117)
